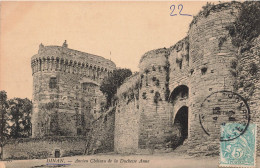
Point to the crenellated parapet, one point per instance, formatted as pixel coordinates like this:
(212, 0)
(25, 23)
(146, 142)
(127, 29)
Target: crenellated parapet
(56, 58)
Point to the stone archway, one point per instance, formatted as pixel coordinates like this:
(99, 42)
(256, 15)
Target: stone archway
(180, 127)
(179, 111)
(179, 94)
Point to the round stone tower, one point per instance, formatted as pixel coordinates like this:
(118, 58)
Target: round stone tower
(154, 91)
(66, 95)
(212, 60)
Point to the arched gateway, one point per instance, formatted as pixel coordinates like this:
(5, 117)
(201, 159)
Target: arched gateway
(179, 111)
(180, 126)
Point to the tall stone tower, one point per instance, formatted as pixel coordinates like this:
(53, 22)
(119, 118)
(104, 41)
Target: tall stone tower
(153, 96)
(211, 57)
(66, 95)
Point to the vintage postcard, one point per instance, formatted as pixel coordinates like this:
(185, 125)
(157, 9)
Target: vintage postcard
(120, 84)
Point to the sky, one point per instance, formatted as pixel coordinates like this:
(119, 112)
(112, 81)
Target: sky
(127, 30)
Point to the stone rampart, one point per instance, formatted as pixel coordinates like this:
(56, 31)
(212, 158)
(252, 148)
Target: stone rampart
(127, 116)
(101, 136)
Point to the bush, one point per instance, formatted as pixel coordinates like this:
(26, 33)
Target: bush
(246, 27)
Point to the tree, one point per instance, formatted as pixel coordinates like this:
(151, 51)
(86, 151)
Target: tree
(110, 84)
(3, 120)
(20, 111)
(15, 118)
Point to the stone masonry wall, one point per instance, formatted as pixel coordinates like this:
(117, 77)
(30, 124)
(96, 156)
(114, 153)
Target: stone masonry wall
(35, 148)
(180, 73)
(211, 63)
(101, 136)
(248, 82)
(127, 117)
(70, 104)
(184, 75)
(155, 125)
(127, 127)
(179, 64)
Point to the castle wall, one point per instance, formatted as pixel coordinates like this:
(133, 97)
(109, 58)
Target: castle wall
(61, 108)
(180, 72)
(127, 117)
(32, 148)
(248, 82)
(153, 106)
(182, 77)
(101, 136)
(211, 63)
(42, 95)
(179, 64)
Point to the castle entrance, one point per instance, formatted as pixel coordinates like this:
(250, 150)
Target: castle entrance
(180, 127)
(179, 110)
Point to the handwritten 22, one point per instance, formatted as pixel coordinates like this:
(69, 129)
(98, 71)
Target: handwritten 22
(180, 7)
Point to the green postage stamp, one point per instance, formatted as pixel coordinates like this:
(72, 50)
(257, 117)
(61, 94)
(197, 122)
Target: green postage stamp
(241, 151)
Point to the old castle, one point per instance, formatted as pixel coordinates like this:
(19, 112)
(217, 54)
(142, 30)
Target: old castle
(66, 92)
(170, 99)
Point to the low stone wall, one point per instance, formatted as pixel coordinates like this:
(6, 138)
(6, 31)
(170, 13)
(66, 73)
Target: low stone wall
(39, 148)
(100, 139)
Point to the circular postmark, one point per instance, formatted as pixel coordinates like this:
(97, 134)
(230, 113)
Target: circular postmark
(220, 108)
